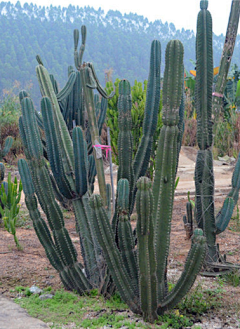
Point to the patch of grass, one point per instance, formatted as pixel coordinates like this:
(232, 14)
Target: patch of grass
(23, 219)
(235, 221)
(233, 278)
(92, 311)
(174, 320)
(201, 301)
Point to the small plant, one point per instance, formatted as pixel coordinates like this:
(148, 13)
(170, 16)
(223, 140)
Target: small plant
(10, 195)
(233, 278)
(201, 301)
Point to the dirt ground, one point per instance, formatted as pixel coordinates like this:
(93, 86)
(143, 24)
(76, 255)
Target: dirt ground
(31, 266)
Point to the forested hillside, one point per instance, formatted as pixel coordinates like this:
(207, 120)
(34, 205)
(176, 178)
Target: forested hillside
(114, 41)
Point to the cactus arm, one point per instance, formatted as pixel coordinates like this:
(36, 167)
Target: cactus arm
(125, 236)
(91, 173)
(66, 142)
(32, 136)
(192, 267)
(181, 124)
(53, 148)
(7, 146)
(97, 84)
(227, 53)
(78, 56)
(166, 158)
(2, 172)
(146, 250)
(204, 177)
(125, 140)
(142, 157)
(81, 161)
(225, 214)
(40, 226)
(67, 88)
(39, 60)
(204, 78)
(82, 47)
(109, 205)
(112, 255)
(102, 116)
(89, 101)
(54, 83)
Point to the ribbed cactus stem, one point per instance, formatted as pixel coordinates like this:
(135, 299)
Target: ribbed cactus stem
(112, 255)
(204, 77)
(192, 267)
(227, 53)
(146, 250)
(65, 139)
(89, 102)
(166, 158)
(125, 235)
(2, 172)
(204, 178)
(142, 157)
(125, 139)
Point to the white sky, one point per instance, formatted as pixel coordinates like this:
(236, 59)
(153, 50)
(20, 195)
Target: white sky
(182, 13)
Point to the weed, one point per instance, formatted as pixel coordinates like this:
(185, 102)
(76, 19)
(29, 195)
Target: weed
(235, 221)
(174, 320)
(201, 301)
(91, 311)
(233, 278)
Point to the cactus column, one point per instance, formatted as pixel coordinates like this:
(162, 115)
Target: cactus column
(227, 53)
(204, 179)
(167, 154)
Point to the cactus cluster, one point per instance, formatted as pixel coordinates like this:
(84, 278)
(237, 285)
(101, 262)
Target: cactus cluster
(138, 273)
(115, 255)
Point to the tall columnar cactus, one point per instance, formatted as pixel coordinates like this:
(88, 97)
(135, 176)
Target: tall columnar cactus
(125, 140)
(89, 82)
(148, 295)
(142, 157)
(167, 154)
(227, 53)
(204, 177)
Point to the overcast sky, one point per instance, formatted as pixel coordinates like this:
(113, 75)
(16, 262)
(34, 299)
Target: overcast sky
(182, 13)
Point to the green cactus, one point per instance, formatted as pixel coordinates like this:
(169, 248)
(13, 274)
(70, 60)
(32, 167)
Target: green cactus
(204, 177)
(139, 273)
(227, 53)
(167, 153)
(154, 209)
(62, 245)
(10, 195)
(6, 148)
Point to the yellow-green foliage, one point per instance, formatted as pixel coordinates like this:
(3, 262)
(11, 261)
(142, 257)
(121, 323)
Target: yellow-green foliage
(138, 91)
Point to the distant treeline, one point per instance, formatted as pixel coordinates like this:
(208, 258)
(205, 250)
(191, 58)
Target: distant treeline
(114, 41)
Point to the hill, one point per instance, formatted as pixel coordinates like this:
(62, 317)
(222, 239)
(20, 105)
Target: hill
(114, 41)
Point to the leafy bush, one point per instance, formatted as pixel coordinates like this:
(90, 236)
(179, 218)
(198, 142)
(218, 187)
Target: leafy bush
(9, 114)
(139, 91)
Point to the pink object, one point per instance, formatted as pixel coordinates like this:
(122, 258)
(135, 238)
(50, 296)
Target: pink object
(104, 147)
(217, 94)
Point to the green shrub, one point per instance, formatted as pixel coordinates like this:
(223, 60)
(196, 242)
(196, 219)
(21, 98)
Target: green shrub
(138, 91)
